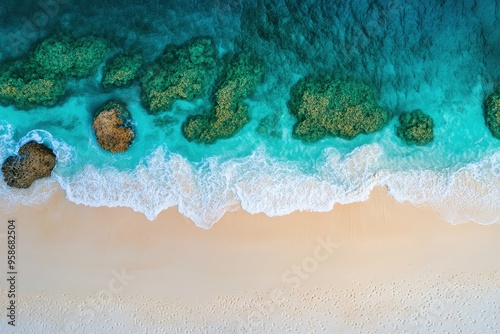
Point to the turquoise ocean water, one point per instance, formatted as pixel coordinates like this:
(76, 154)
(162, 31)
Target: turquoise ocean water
(439, 56)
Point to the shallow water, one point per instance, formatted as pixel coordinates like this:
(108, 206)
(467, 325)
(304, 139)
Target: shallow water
(442, 58)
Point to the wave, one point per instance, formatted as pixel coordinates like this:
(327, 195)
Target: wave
(469, 194)
(205, 190)
(259, 183)
(41, 190)
(402, 47)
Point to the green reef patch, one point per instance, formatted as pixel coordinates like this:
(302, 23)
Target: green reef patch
(182, 72)
(39, 78)
(23, 92)
(338, 108)
(229, 113)
(492, 112)
(415, 128)
(121, 70)
(69, 57)
(322, 105)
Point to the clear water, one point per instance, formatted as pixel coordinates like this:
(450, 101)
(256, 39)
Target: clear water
(442, 58)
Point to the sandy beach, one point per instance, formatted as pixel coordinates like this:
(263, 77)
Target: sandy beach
(231, 113)
(372, 267)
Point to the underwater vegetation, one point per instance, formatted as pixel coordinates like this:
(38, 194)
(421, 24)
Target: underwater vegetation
(415, 128)
(322, 106)
(69, 57)
(338, 108)
(492, 112)
(40, 77)
(18, 90)
(181, 72)
(121, 70)
(229, 113)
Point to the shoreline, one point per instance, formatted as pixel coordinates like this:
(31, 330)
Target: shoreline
(359, 263)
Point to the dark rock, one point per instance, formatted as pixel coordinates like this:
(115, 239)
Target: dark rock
(112, 126)
(34, 161)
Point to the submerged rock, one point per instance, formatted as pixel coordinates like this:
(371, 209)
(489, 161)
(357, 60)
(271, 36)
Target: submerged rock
(39, 78)
(113, 128)
(415, 128)
(229, 113)
(338, 108)
(492, 113)
(66, 56)
(34, 161)
(121, 70)
(182, 72)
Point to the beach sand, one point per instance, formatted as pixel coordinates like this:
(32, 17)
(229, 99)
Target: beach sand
(373, 267)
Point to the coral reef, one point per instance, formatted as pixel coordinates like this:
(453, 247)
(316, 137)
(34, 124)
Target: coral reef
(415, 128)
(112, 126)
(121, 70)
(181, 72)
(26, 93)
(229, 114)
(64, 56)
(40, 77)
(492, 112)
(33, 161)
(339, 108)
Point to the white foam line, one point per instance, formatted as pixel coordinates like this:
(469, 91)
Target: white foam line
(259, 183)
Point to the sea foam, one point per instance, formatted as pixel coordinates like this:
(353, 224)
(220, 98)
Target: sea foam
(41, 190)
(203, 192)
(441, 57)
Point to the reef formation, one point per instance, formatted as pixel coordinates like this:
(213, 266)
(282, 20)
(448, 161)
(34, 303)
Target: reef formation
(338, 108)
(492, 112)
(322, 106)
(415, 128)
(182, 72)
(229, 113)
(121, 70)
(40, 77)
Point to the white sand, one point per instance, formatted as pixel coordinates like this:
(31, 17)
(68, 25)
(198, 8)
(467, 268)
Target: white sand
(390, 268)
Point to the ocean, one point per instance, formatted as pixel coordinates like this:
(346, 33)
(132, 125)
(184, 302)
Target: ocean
(442, 57)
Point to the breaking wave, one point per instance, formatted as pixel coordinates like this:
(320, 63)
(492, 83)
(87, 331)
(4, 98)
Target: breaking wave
(258, 183)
